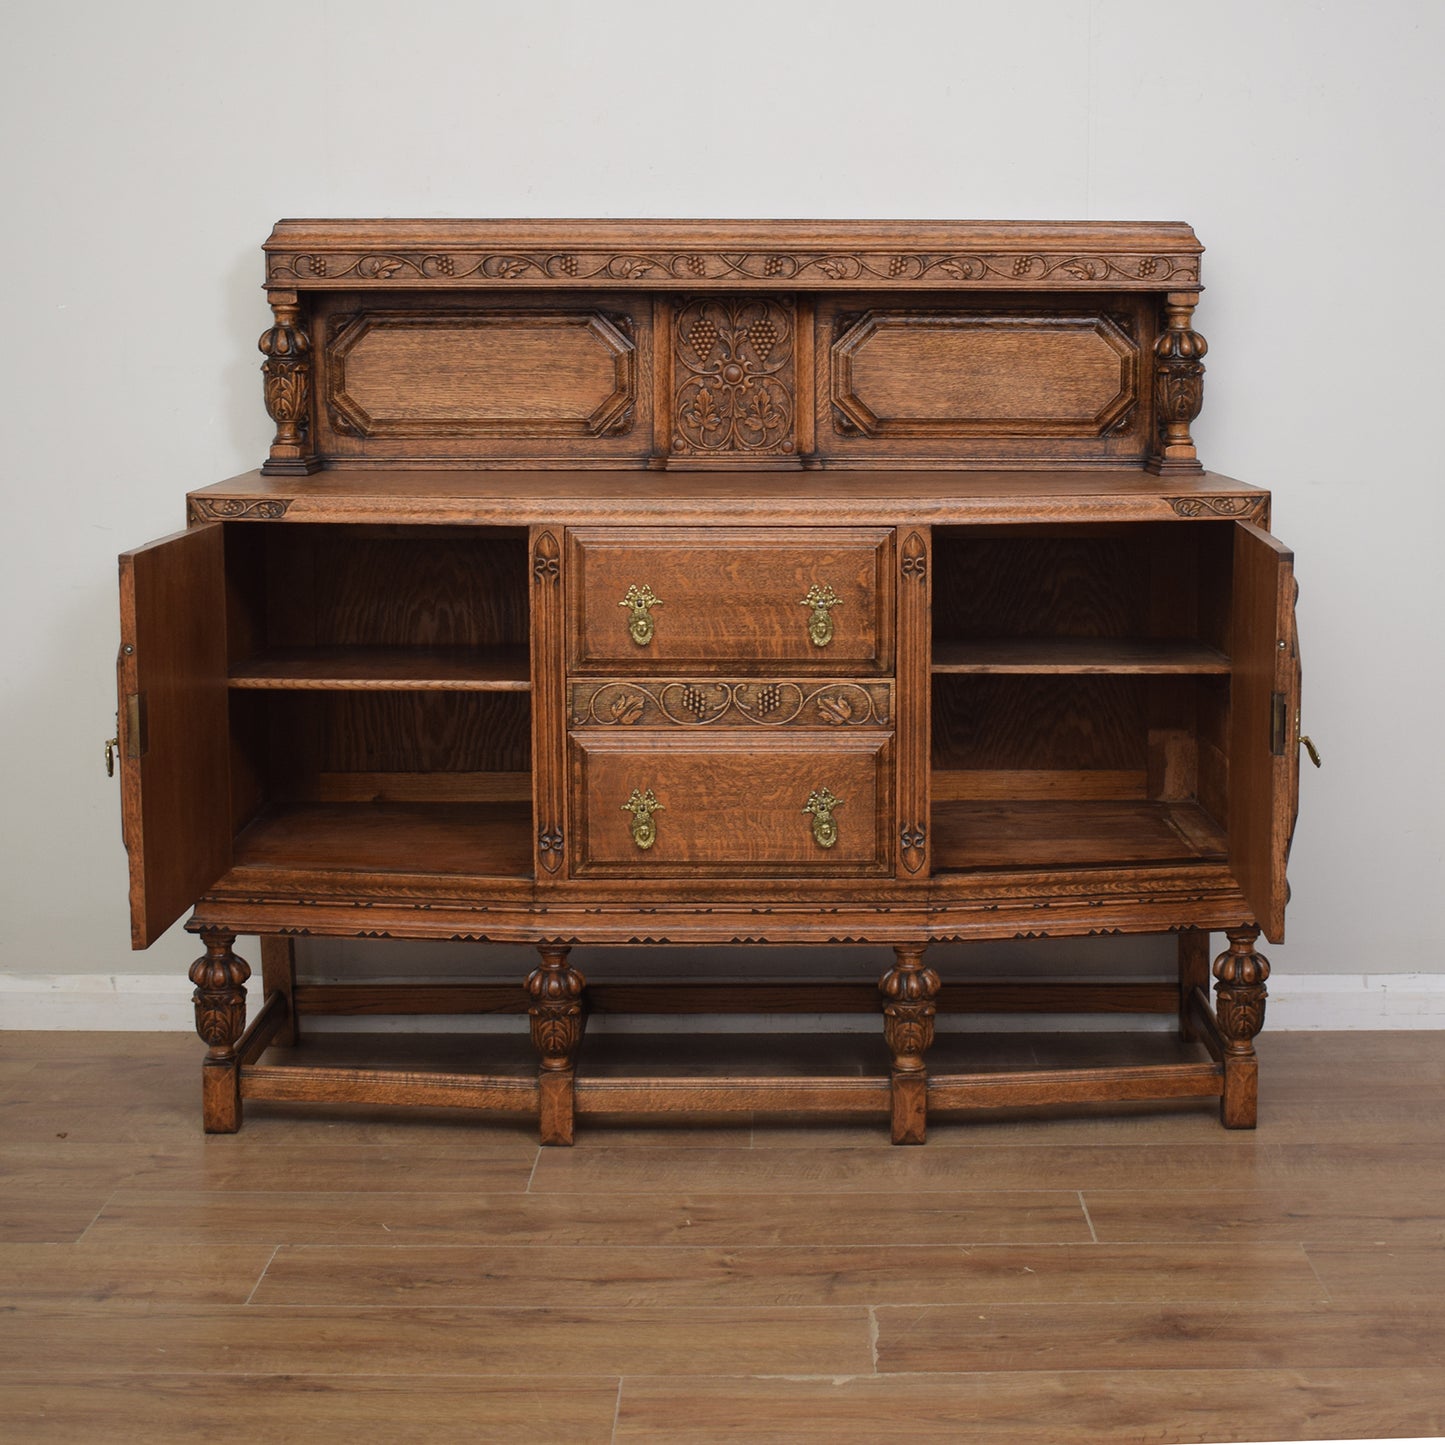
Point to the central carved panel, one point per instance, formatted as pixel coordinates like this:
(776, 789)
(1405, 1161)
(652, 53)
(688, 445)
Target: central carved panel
(734, 378)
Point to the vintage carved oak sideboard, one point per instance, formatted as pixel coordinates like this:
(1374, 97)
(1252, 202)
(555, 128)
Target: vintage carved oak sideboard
(714, 583)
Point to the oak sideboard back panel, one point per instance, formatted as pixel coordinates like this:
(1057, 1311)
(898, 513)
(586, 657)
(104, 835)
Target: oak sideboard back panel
(631, 583)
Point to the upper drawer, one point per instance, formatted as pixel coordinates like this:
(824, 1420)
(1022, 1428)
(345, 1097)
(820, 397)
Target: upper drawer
(652, 599)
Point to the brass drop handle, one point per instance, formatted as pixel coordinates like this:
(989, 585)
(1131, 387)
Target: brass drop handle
(821, 600)
(642, 806)
(1311, 749)
(112, 747)
(821, 805)
(639, 601)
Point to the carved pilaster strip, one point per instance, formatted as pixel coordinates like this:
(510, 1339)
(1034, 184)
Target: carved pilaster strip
(909, 991)
(548, 717)
(286, 380)
(914, 677)
(1178, 386)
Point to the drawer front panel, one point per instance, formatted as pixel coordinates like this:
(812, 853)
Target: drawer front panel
(663, 599)
(731, 806)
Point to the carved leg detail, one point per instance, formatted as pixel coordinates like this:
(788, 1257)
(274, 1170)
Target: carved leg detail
(558, 1019)
(1240, 994)
(220, 1000)
(909, 990)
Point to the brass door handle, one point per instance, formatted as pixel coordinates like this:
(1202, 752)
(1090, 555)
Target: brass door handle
(112, 747)
(642, 806)
(821, 600)
(1311, 749)
(821, 805)
(639, 601)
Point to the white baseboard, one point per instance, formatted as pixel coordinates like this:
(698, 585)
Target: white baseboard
(131, 1001)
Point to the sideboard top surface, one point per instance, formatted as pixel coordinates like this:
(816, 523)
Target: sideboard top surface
(582, 497)
(715, 254)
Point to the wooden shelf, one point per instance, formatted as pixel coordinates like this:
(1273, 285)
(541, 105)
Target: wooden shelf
(1107, 655)
(490, 840)
(389, 669)
(1071, 833)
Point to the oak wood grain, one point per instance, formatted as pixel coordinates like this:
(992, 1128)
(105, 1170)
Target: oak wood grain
(157, 1409)
(1063, 1406)
(174, 802)
(628, 1277)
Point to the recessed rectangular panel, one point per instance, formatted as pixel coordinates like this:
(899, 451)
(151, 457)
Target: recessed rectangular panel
(396, 373)
(912, 373)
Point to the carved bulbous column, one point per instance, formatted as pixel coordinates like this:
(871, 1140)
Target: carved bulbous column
(558, 1017)
(286, 377)
(1178, 386)
(1240, 974)
(909, 989)
(220, 1002)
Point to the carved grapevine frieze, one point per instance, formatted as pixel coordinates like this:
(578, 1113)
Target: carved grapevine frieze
(731, 704)
(236, 509)
(820, 268)
(1238, 507)
(733, 377)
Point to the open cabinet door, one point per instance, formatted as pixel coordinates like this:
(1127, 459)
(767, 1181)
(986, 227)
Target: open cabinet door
(174, 777)
(1264, 723)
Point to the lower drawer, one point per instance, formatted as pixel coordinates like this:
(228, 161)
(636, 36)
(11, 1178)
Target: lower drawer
(664, 805)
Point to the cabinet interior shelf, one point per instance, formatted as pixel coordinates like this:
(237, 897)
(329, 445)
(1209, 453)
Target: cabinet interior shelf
(1108, 655)
(462, 839)
(415, 669)
(1071, 832)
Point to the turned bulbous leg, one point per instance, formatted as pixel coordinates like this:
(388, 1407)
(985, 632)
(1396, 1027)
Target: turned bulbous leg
(558, 1018)
(909, 991)
(1239, 992)
(220, 1001)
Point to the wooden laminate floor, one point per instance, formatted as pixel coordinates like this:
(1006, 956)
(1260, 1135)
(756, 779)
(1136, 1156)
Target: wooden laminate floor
(1135, 1274)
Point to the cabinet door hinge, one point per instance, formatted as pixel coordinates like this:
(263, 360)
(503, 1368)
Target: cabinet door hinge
(1278, 724)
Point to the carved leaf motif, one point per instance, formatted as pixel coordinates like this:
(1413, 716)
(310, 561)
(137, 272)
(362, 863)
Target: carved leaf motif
(834, 270)
(702, 415)
(835, 710)
(626, 709)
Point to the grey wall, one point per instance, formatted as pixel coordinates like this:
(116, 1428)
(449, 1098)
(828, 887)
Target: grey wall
(151, 145)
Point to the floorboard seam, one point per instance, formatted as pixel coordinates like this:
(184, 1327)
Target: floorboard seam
(1314, 1270)
(269, 1262)
(98, 1213)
